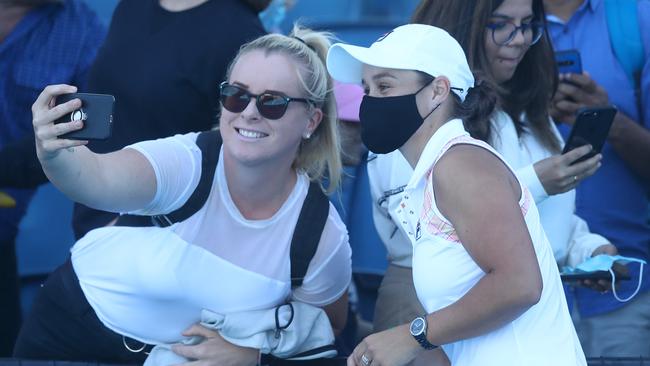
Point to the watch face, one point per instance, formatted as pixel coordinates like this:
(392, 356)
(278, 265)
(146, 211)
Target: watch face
(417, 326)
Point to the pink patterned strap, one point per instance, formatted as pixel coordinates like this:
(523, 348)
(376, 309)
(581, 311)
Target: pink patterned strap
(438, 226)
(462, 139)
(433, 223)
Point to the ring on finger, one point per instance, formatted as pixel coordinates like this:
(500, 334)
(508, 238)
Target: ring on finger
(365, 360)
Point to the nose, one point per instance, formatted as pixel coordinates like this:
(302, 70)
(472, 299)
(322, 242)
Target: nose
(251, 112)
(519, 39)
(373, 91)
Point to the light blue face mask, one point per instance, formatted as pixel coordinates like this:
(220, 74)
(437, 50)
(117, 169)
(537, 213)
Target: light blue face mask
(273, 15)
(604, 262)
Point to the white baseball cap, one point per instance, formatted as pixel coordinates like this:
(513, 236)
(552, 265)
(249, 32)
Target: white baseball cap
(417, 47)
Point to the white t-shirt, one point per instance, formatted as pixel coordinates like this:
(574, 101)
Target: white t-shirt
(152, 283)
(443, 272)
(388, 175)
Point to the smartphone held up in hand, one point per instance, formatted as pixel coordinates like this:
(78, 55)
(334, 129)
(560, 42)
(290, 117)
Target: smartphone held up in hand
(591, 128)
(96, 112)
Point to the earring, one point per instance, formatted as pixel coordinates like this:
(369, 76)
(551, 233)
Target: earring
(307, 136)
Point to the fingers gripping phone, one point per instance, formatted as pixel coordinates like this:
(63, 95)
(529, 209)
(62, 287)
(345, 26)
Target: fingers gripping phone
(568, 62)
(591, 128)
(594, 276)
(96, 112)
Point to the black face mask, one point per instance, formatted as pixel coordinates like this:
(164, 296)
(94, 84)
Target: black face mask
(387, 123)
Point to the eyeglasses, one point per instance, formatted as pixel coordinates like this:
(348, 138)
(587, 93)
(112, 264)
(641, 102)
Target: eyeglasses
(504, 32)
(270, 105)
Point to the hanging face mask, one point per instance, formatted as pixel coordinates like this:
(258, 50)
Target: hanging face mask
(273, 16)
(387, 123)
(604, 262)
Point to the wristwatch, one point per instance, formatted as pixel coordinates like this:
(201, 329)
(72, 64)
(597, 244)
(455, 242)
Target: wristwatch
(418, 330)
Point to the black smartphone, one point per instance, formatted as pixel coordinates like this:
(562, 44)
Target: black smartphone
(595, 276)
(96, 112)
(568, 61)
(590, 128)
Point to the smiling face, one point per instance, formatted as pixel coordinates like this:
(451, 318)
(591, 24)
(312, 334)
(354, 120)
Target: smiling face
(250, 138)
(504, 59)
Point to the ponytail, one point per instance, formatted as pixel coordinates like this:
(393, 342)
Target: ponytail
(479, 105)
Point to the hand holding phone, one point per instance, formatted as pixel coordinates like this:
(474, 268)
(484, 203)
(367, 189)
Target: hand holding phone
(559, 174)
(52, 120)
(96, 112)
(600, 281)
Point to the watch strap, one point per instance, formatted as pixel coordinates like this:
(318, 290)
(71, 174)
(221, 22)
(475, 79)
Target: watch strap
(422, 337)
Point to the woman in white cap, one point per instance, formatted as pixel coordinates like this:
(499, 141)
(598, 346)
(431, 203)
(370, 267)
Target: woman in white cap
(482, 266)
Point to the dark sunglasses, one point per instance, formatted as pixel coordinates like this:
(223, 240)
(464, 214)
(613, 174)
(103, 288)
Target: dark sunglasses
(270, 105)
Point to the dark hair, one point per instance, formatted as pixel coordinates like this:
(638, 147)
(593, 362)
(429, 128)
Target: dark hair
(475, 111)
(530, 89)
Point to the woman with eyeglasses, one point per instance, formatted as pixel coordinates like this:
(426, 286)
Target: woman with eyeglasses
(150, 285)
(483, 269)
(508, 44)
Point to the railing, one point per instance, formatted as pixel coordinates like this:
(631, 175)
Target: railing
(618, 361)
(18, 362)
(592, 361)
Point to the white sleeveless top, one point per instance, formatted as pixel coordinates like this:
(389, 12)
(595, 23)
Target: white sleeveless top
(151, 283)
(443, 271)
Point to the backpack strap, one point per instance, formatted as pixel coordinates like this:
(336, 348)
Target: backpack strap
(210, 143)
(625, 35)
(307, 233)
(625, 38)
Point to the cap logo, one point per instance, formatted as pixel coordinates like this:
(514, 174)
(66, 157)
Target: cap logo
(383, 36)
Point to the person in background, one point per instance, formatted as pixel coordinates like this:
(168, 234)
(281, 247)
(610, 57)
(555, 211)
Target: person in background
(348, 100)
(163, 61)
(352, 201)
(41, 42)
(509, 47)
(482, 266)
(273, 16)
(614, 202)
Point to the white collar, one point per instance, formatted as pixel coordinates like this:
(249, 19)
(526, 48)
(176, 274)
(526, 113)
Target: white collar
(431, 152)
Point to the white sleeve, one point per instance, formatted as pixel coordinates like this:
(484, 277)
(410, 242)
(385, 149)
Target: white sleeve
(383, 224)
(529, 178)
(176, 161)
(505, 140)
(330, 271)
(388, 174)
(582, 242)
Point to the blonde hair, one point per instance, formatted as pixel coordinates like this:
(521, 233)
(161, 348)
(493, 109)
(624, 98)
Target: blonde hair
(320, 154)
